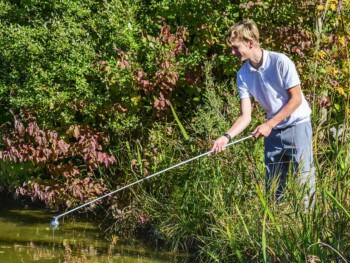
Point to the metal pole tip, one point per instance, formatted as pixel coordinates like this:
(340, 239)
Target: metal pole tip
(54, 222)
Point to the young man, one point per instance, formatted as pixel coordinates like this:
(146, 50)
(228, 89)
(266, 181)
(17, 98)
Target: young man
(271, 78)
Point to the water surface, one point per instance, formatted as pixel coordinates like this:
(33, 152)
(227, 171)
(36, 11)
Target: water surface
(26, 236)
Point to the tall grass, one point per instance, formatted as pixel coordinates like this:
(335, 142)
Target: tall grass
(217, 206)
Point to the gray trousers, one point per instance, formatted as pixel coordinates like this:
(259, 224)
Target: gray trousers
(290, 149)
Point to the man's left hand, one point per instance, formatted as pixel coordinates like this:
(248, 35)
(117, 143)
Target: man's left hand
(263, 129)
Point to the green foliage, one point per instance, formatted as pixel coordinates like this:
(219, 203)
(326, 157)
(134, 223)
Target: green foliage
(48, 57)
(206, 22)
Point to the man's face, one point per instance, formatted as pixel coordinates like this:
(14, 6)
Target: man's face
(241, 49)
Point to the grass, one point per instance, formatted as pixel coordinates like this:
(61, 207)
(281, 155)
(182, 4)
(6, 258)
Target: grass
(241, 224)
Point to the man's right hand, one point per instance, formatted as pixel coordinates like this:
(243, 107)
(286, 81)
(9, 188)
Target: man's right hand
(219, 144)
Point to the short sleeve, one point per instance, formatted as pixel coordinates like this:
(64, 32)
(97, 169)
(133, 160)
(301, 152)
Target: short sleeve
(242, 89)
(288, 72)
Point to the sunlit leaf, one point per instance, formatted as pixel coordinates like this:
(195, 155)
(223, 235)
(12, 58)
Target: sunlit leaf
(342, 40)
(321, 54)
(340, 90)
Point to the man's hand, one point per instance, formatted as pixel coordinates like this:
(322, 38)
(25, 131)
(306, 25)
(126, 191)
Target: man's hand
(263, 129)
(219, 144)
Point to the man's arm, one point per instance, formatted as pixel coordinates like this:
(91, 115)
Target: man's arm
(240, 124)
(295, 99)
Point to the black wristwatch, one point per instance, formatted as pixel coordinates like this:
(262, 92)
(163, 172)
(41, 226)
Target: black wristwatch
(228, 136)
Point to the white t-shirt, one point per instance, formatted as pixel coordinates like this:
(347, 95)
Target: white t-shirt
(269, 85)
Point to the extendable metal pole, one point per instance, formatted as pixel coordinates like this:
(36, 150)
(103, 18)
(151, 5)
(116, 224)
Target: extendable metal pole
(55, 223)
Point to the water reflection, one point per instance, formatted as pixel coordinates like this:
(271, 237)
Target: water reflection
(25, 236)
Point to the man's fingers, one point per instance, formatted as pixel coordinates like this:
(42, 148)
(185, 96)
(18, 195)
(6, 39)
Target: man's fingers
(218, 148)
(257, 135)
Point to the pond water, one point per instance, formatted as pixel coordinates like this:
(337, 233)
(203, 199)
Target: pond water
(26, 236)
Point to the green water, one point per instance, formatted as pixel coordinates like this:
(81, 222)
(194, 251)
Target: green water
(26, 236)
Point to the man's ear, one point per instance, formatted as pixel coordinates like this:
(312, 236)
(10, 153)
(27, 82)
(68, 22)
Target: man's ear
(250, 43)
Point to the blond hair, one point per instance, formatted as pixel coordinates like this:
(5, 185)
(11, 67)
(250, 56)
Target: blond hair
(245, 30)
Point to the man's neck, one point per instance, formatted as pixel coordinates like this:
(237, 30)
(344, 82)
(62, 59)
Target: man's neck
(257, 58)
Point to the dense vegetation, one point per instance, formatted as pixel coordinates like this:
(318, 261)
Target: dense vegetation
(97, 94)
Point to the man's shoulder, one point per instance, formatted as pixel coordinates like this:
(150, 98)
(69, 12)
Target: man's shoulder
(277, 56)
